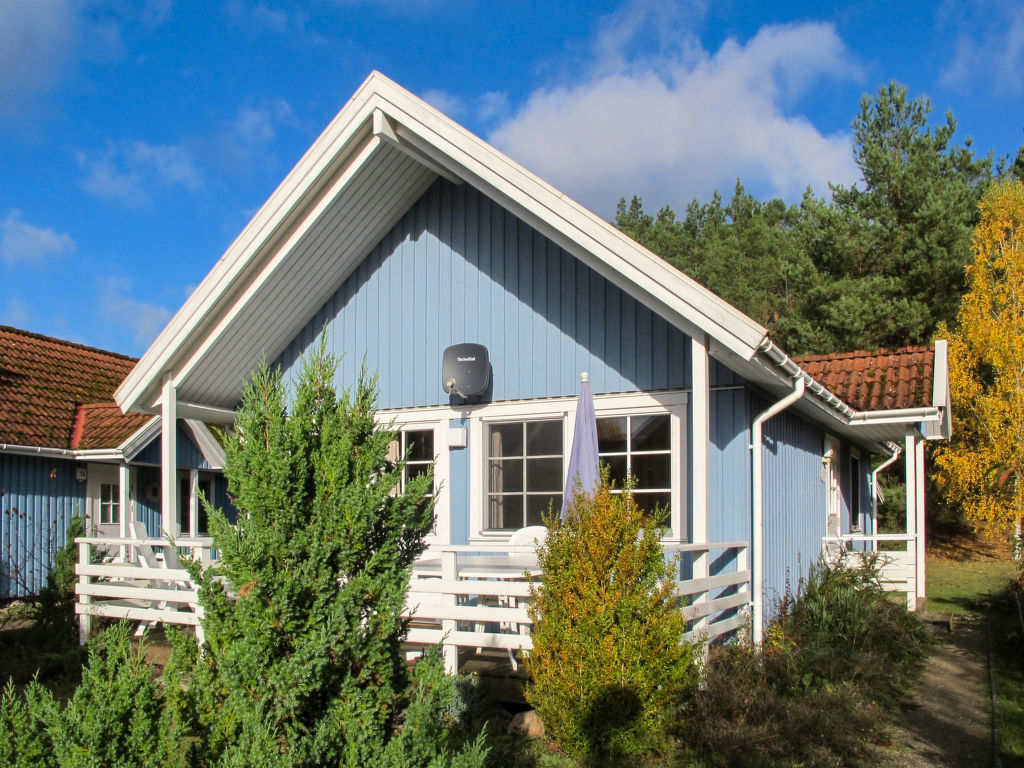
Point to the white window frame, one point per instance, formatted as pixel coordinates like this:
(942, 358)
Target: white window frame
(626, 404)
(423, 420)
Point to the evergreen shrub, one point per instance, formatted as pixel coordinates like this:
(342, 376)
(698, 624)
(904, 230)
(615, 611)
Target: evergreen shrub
(609, 665)
(302, 663)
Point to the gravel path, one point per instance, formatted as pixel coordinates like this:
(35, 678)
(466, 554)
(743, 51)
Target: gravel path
(949, 720)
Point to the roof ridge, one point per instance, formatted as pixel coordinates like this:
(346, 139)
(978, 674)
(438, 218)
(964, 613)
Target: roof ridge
(65, 343)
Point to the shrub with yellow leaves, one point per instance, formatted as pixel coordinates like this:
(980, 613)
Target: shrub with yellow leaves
(983, 466)
(609, 665)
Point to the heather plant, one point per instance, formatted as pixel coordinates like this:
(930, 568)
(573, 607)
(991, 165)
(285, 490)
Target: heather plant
(302, 663)
(848, 629)
(609, 664)
(839, 651)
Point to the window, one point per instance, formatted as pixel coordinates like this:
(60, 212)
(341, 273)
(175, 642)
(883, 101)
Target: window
(524, 472)
(419, 443)
(639, 448)
(109, 503)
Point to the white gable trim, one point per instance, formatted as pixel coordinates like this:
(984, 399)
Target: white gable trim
(347, 145)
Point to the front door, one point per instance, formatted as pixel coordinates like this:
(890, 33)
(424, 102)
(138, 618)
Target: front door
(104, 497)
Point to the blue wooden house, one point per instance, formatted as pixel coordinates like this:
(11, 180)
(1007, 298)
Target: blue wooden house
(66, 449)
(400, 234)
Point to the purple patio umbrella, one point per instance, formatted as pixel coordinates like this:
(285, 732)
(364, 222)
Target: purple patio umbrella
(583, 461)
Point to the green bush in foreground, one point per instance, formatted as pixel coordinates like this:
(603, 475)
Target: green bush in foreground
(115, 717)
(303, 664)
(608, 666)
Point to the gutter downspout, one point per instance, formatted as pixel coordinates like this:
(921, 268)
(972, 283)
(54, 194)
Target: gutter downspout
(897, 450)
(757, 489)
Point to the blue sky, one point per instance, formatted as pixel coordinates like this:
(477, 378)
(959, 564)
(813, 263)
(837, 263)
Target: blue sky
(138, 137)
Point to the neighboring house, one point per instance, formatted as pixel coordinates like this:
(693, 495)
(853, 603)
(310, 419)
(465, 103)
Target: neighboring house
(67, 449)
(399, 234)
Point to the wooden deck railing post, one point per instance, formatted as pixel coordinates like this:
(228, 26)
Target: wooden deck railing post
(84, 619)
(450, 574)
(700, 571)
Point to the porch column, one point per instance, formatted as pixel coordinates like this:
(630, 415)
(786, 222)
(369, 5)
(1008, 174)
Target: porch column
(701, 421)
(169, 457)
(193, 503)
(919, 507)
(910, 461)
(123, 501)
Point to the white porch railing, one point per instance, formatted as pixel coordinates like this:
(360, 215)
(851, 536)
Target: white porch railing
(459, 596)
(145, 583)
(898, 567)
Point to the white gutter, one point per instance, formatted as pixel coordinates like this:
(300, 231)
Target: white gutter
(95, 454)
(876, 494)
(757, 490)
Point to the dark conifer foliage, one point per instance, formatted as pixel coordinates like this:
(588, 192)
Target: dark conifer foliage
(880, 265)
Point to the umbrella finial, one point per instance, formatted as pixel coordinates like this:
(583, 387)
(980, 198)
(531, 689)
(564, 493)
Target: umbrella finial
(584, 376)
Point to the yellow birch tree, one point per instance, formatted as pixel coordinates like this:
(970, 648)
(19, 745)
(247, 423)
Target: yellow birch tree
(982, 468)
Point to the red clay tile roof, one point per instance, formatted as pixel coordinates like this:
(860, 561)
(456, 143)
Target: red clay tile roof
(880, 380)
(57, 394)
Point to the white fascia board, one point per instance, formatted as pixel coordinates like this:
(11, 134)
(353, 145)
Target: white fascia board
(142, 437)
(260, 237)
(940, 391)
(269, 266)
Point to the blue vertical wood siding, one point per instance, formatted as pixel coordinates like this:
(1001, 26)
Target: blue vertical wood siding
(38, 496)
(794, 500)
(147, 506)
(729, 466)
(459, 268)
(458, 484)
(189, 455)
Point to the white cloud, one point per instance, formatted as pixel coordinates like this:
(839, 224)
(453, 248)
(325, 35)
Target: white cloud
(682, 122)
(23, 243)
(118, 306)
(36, 41)
(128, 172)
(246, 139)
(443, 101)
(989, 51)
(17, 313)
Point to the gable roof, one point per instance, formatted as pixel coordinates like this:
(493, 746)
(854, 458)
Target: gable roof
(379, 155)
(58, 394)
(376, 158)
(879, 380)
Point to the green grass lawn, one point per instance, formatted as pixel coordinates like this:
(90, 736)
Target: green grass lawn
(967, 586)
(981, 587)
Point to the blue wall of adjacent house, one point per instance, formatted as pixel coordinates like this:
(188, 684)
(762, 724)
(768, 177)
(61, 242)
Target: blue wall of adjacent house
(37, 498)
(459, 268)
(189, 455)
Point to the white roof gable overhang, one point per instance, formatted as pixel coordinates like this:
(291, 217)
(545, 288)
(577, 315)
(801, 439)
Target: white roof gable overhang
(376, 158)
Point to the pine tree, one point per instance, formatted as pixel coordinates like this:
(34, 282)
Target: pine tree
(302, 664)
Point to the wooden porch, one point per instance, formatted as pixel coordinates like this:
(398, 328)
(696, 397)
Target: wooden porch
(460, 597)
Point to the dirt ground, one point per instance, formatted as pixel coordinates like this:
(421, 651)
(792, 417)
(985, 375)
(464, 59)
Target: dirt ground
(948, 722)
